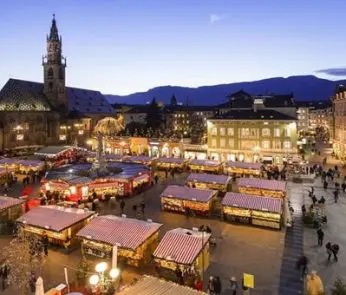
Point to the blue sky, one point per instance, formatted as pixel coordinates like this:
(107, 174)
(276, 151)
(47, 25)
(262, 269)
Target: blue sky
(126, 46)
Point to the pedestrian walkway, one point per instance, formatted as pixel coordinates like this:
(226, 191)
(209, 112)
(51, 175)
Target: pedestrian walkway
(290, 278)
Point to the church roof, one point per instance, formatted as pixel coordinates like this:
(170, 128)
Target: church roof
(20, 95)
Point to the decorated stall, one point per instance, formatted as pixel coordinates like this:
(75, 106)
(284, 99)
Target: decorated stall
(262, 187)
(10, 210)
(205, 165)
(209, 181)
(241, 168)
(26, 166)
(183, 249)
(149, 285)
(135, 240)
(171, 163)
(184, 199)
(145, 160)
(60, 224)
(250, 209)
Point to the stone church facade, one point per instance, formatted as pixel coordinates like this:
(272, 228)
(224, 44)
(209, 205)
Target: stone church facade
(49, 113)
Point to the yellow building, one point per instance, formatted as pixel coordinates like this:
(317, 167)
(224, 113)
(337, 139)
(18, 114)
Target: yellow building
(252, 135)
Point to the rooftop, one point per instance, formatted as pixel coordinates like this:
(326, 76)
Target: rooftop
(208, 178)
(186, 193)
(262, 183)
(249, 114)
(7, 202)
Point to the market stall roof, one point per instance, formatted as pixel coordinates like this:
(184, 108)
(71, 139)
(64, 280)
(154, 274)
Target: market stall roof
(134, 159)
(208, 163)
(171, 160)
(149, 285)
(186, 193)
(8, 161)
(126, 232)
(7, 202)
(53, 217)
(30, 163)
(254, 166)
(53, 151)
(181, 245)
(208, 178)
(274, 185)
(252, 202)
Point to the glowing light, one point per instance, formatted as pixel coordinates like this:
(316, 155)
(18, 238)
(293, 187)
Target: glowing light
(101, 267)
(94, 280)
(114, 273)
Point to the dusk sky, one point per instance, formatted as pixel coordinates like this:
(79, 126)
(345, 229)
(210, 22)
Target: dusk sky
(126, 46)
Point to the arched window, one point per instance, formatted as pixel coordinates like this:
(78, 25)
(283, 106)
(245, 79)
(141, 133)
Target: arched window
(61, 74)
(50, 86)
(50, 73)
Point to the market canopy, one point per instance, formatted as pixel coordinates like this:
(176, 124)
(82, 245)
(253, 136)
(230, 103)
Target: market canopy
(54, 151)
(207, 163)
(171, 160)
(8, 161)
(266, 184)
(208, 178)
(252, 202)
(149, 285)
(186, 193)
(181, 245)
(125, 232)
(55, 218)
(242, 165)
(7, 202)
(137, 159)
(30, 163)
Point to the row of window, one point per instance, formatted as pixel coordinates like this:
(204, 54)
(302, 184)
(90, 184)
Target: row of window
(266, 144)
(245, 132)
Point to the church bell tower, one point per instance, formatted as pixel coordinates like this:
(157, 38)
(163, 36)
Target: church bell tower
(54, 65)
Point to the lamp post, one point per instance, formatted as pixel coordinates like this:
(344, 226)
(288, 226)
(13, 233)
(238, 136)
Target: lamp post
(102, 280)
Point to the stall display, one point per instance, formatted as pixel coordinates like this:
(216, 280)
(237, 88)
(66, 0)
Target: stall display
(208, 181)
(256, 210)
(136, 239)
(262, 187)
(170, 163)
(185, 199)
(241, 168)
(184, 249)
(205, 165)
(60, 224)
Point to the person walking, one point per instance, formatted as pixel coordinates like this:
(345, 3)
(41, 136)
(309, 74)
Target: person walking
(329, 250)
(45, 243)
(211, 290)
(302, 265)
(122, 206)
(336, 196)
(156, 178)
(134, 208)
(303, 210)
(335, 250)
(234, 286)
(217, 286)
(320, 236)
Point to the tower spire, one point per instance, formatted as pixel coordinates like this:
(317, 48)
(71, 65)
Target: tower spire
(54, 35)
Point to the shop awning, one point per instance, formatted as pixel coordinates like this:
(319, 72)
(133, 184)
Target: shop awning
(206, 163)
(208, 178)
(181, 245)
(7, 202)
(186, 193)
(252, 202)
(54, 218)
(253, 166)
(125, 232)
(149, 285)
(274, 185)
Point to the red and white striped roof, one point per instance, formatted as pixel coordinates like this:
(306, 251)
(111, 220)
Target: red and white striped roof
(125, 232)
(253, 166)
(55, 218)
(208, 178)
(274, 185)
(181, 245)
(207, 163)
(252, 202)
(7, 202)
(186, 193)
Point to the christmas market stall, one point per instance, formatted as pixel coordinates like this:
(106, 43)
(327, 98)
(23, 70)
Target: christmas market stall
(149, 285)
(145, 160)
(8, 163)
(184, 199)
(262, 187)
(135, 240)
(209, 181)
(241, 168)
(171, 163)
(60, 155)
(26, 166)
(60, 224)
(182, 250)
(250, 209)
(91, 157)
(10, 210)
(205, 165)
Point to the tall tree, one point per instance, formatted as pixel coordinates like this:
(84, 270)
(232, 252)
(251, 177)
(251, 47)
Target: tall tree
(153, 118)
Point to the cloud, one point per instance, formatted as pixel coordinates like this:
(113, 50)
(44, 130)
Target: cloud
(333, 71)
(214, 18)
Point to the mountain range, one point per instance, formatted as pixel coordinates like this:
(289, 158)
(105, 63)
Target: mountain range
(303, 88)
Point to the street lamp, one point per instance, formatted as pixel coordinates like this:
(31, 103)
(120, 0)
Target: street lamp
(102, 280)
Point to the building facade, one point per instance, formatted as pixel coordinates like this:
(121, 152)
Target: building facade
(339, 115)
(49, 113)
(252, 136)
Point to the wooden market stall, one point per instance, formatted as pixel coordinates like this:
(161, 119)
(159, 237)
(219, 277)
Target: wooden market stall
(145, 160)
(205, 165)
(262, 187)
(149, 285)
(208, 181)
(8, 163)
(250, 209)
(26, 166)
(171, 163)
(183, 249)
(241, 168)
(10, 210)
(184, 199)
(135, 239)
(60, 224)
